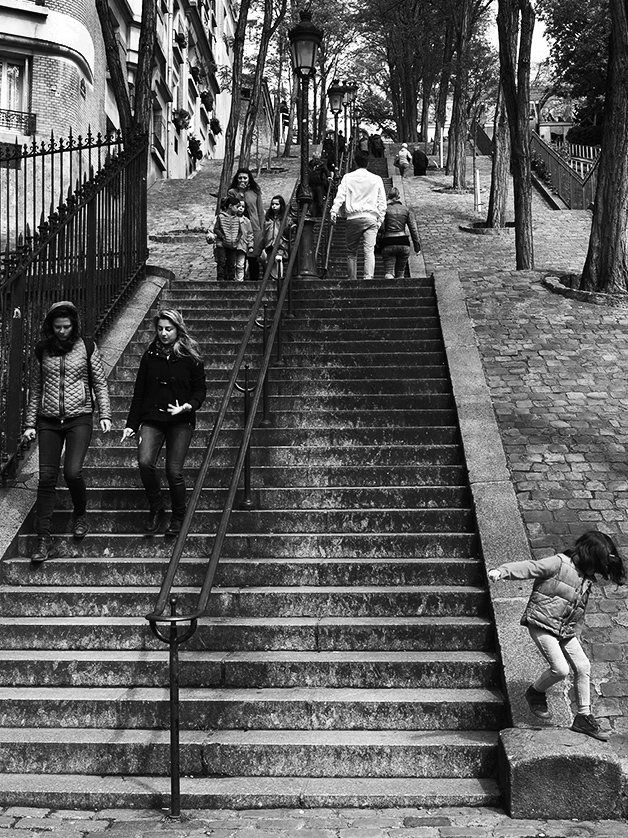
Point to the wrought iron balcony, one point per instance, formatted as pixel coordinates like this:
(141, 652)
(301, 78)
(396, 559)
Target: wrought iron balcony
(25, 123)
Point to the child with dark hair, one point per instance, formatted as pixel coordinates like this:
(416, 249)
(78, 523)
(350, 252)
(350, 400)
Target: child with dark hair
(272, 225)
(554, 613)
(219, 251)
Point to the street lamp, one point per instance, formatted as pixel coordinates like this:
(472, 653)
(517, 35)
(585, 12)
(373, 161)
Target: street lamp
(348, 100)
(335, 94)
(305, 39)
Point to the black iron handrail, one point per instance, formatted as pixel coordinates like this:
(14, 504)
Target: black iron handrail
(171, 621)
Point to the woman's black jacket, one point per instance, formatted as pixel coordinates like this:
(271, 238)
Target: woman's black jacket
(162, 380)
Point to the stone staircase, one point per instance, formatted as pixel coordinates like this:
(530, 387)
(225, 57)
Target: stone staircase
(347, 657)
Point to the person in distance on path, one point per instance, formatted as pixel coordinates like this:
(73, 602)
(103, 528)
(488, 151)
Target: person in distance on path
(555, 611)
(364, 199)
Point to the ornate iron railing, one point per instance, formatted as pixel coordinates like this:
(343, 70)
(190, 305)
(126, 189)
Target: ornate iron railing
(72, 226)
(576, 191)
(25, 123)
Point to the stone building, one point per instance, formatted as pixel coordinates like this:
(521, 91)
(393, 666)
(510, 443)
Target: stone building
(53, 74)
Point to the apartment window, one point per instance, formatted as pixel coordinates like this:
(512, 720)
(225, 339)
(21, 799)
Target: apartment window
(12, 84)
(14, 113)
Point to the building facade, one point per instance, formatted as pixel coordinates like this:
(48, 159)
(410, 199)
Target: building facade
(54, 78)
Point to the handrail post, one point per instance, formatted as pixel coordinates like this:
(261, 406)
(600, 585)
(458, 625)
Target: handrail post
(265, 421)
(279, 357)
(175, 767)
(247, 503)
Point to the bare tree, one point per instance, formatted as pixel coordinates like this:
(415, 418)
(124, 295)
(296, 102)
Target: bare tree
(606, 265)
(500, 171)
(269, 27)
(236, 92)
(132, 121)
(515, 25)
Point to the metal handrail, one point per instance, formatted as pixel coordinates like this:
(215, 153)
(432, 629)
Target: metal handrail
(172, 622)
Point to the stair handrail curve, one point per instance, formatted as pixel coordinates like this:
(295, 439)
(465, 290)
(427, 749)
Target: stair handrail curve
(157, 615)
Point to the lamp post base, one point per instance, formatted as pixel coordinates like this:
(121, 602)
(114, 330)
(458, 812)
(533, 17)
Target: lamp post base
(307, 262)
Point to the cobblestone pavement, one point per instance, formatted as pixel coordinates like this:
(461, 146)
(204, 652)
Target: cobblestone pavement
(297, 823)
(555, 368)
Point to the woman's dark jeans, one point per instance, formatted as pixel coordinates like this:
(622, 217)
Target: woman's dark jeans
(76, 433)
(177, 437)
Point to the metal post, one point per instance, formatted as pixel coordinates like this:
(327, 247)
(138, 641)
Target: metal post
(307, 265)
(265, 421)
(336, 158)
(175, 768)
(90, 279)
(247, 503)
(15, 372)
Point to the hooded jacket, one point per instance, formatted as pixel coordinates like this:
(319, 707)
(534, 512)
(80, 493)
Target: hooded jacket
(559, 595)
(60, 383)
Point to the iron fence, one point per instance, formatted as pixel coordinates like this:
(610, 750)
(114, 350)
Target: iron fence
(72, 226)
(576, 191)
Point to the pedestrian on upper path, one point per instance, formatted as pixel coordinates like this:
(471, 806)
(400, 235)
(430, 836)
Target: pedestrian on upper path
(420, 161)
(363, 197)
(393, 235)
(403, 159)
(66, 369)
(555, 612)
(244, 184)
(169, 389)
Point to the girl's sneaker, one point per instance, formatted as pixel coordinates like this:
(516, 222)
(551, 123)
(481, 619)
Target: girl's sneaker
(588, 725)
(537, 702)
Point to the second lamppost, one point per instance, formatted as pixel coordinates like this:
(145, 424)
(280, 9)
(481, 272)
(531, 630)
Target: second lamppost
(305, 39)
(335, 93)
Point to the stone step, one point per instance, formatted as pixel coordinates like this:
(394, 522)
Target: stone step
(371, 404)
(297, 476)
(299, 545)
(71, 791)
(412, 417)
(249, 571)
(303, 601)
(337, 634)
(268, 669)
(295, 708)
(347, 497)
(123, 386)
(280, 521)
(260, 753)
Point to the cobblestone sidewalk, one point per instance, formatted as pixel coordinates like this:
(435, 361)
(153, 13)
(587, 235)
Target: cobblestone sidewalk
(296, 823)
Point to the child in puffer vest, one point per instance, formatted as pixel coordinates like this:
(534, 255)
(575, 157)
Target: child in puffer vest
(554, 616)
(233, 235)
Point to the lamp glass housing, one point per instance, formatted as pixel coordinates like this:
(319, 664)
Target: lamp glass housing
(335, 94)
(305, 39)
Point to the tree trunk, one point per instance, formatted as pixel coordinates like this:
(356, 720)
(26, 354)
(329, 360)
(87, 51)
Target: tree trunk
(250, 118)
(145, 65)
(606, 265)
(290, 132)
(500, 173)
(515, 80)
(457, 152)
(118, 74)
(428, 83)
(443, 87)
(236, 90)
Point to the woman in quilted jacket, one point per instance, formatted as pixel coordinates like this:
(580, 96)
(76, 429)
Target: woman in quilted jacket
(169, 389)
(67, 371)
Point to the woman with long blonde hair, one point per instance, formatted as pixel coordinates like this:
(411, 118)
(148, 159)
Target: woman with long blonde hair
(169, 389)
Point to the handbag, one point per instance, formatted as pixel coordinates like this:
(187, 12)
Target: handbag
(396, 163)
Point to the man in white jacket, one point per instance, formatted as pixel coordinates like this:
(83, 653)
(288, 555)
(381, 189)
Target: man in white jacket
(364, 199)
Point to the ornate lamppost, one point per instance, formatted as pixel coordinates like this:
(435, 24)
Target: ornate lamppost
(350, 91)
(305, 39)
(335, 94)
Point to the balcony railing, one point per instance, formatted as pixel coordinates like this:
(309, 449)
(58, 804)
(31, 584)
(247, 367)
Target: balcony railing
(23, 123)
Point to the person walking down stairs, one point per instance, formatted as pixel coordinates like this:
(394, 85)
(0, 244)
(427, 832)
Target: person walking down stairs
(67, 369)
(169, 389)
(364, 199)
